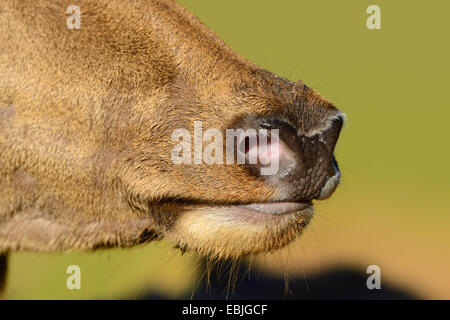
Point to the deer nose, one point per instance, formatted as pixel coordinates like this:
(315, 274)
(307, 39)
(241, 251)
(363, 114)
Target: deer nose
(303, 163)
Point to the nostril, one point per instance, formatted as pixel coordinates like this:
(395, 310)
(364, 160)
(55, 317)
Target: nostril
(329, 186)
(246, 145)
(336, 165)
(338, 123)
(268, 146)
(340, 120)
(250, 147)
(331, 183)
(258, 148)
(265, 152)
(331, 135)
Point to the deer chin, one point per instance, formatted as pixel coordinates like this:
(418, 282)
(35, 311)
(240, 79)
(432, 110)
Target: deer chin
(231, 231)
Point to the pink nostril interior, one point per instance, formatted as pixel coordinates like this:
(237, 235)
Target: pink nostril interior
(262, 148)
(265, 149)
(252, 148)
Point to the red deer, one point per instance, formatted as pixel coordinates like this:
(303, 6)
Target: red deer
(86, 123)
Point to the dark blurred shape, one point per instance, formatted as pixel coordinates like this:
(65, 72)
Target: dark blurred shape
(336, 283)
(3, 269)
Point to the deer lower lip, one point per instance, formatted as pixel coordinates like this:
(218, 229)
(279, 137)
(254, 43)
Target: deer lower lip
(276, 208)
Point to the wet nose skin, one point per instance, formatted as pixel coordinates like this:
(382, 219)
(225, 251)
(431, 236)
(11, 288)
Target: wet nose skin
(307, 167)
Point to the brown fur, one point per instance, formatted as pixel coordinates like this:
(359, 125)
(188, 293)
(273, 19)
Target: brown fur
(85, 123)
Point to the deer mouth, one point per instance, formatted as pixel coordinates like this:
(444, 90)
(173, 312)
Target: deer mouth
(265, 212)
(275, 208)
(255, 214)
(234, 230)
(256, 211)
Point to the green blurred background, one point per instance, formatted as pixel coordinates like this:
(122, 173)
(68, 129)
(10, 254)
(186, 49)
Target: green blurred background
(392, 208)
